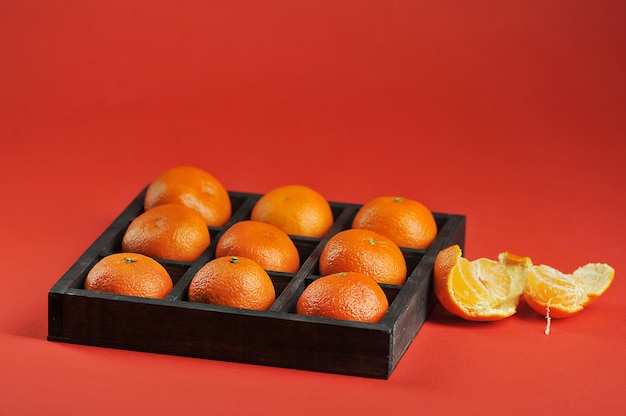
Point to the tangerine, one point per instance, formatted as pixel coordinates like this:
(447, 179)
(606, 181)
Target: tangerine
(555, 294)
(479, 290)
(233, 281)
(486, 290)
(194, 188)
(364, 251)
(262, 242)
(130, 274)
(169, 231)
(347, 295)
(295, 209)
(407, 222)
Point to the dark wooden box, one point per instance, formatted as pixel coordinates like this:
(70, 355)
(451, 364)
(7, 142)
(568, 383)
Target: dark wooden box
(278, 337)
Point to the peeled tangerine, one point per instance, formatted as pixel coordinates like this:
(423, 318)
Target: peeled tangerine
(489, 290)
(479, 290)
(559, 295)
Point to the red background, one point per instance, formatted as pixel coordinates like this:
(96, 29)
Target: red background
(509, 112)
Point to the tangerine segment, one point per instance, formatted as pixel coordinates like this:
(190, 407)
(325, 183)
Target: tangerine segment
(518, 268)
(553, 293)
(479, 290)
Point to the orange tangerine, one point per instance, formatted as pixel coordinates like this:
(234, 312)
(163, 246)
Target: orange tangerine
(169, 231)
(486, 290)
(233, 281)
(295, 209)
(350, 296)
(130, 274)
(193, 187)
(478, 290)
(262, 242)
(408, 223)
(364, 251)
(555, 294)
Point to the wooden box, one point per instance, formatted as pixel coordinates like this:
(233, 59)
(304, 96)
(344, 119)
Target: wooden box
(278, 337)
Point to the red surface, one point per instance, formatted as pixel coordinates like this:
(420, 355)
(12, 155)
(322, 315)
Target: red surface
(509, 112)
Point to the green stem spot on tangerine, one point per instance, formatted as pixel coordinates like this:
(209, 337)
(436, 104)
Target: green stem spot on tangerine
(129, 260)
(371, 241)
(398, 200)
(234, 260)
(342, 274)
